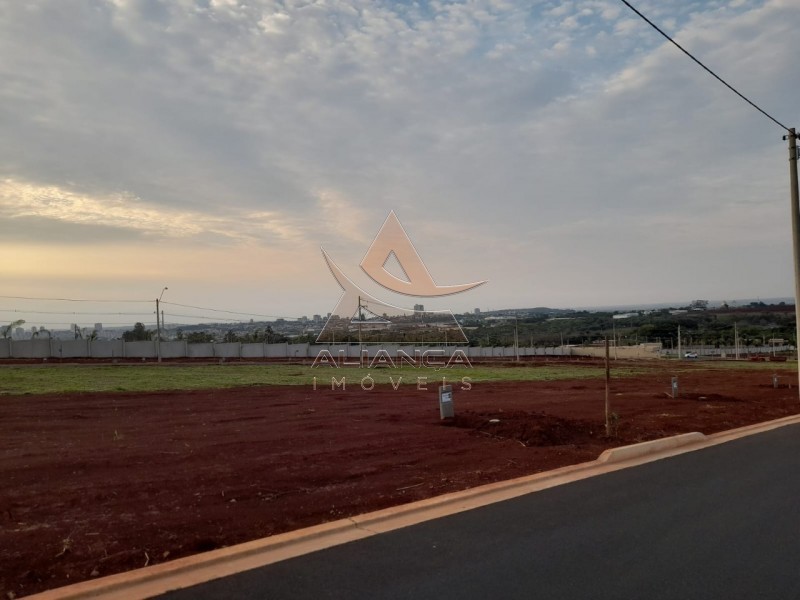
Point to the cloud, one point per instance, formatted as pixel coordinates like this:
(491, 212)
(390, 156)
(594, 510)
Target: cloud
(485, 124)
(127, 215)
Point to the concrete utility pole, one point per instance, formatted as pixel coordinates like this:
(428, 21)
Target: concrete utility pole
(158, 325)
(614, 327)
(360, 318)
(792, 137)
(608, 385)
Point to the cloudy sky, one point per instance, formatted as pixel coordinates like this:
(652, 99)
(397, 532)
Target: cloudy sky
(562, 150)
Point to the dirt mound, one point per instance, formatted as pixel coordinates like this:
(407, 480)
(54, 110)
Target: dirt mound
(710, 398)
(528, 428)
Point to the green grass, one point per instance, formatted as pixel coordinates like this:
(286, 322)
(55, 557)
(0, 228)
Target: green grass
(47, 379)
(143, 378)
(738, 365)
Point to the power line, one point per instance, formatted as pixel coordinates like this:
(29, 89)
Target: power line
(216, 310)
(84, 324)
(205, 317)
(717, 77)
(52, 312)
(70, 299)
(230, 312)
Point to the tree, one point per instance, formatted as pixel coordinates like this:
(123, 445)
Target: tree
(271, 337)
(139, 334)
(7, 330)
(199, 337)
(230, 337)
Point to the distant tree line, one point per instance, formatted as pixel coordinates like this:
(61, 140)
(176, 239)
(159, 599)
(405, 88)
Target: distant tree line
(756, 323)
(261, 335)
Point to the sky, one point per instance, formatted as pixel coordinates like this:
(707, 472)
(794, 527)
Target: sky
(561, 150)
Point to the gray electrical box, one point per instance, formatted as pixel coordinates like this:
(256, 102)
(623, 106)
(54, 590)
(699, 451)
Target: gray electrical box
(446, 410)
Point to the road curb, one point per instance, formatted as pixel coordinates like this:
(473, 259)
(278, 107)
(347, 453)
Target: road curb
(200, 568)
(652, 447)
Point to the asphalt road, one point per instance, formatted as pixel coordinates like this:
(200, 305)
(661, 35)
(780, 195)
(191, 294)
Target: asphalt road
(723, 522)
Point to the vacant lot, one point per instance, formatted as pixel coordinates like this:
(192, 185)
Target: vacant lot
(117, 467)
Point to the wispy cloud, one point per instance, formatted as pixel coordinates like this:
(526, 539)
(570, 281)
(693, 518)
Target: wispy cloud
(125, 211)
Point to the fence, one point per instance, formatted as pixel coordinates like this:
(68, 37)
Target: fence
(728, 351)
(54, 348)
(104, 349)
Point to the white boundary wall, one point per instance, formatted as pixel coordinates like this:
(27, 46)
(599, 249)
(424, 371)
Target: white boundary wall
(205, 350)
(53, 348)
(728, 351)
(47, 348)
(107, 348)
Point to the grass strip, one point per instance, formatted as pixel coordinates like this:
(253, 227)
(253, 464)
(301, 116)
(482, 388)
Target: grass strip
(51, 379)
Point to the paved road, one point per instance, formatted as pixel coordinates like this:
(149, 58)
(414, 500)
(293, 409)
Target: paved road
(723, 522)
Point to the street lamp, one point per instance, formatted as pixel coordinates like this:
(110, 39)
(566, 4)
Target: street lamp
(158, 324)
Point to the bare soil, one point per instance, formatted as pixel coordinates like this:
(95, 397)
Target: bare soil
(95, 484)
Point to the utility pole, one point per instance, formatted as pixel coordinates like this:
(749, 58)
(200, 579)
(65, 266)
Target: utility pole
(158, 325)
(795, 207)
(614, 327)
(360, 318)
(608, 385)
(516, 339)
(680, 356)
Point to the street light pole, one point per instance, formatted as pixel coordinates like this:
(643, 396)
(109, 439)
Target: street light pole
(795, 208)
(158, 324)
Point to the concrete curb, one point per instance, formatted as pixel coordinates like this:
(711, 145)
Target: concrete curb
(192, 570)
(644, 448)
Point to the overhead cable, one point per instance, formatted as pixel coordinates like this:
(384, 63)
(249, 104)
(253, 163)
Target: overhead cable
(712, 73)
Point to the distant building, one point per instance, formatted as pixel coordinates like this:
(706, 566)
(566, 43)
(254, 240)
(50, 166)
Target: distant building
(419, 308)
(98, 327)
(477, 311)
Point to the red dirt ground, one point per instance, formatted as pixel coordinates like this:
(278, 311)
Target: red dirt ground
(100, 483)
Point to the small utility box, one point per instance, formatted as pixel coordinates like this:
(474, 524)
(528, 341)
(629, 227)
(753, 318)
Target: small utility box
(446, 410)
(674, 387)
